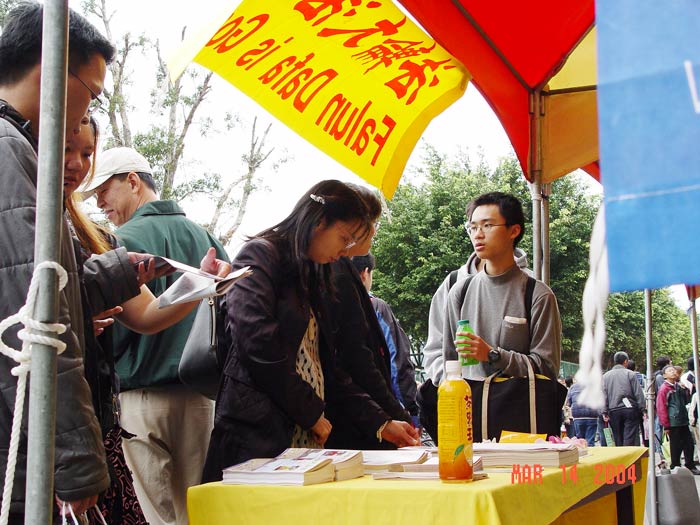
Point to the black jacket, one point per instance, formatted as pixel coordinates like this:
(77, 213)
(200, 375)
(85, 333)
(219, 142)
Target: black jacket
(262, 397)
(362, 353)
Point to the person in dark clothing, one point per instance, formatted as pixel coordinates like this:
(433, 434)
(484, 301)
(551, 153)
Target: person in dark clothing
(280, 372)
(363, 354)
(624, 401)
(585, 418)
(403, 372)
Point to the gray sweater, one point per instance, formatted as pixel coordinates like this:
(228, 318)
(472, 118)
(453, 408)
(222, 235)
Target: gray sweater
(495, 307)
(432, 351)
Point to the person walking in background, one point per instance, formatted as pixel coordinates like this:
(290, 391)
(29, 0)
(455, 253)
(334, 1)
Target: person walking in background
(694, 423)
(403, 372)
(643, 420)
(624, 402)
(687, 379)
(584, 418)
(661, 362)
(673, 416)
(280, 371)
(171, 422)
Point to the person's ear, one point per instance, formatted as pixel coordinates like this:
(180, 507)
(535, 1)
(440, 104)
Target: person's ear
(515, 230)
(134, 181)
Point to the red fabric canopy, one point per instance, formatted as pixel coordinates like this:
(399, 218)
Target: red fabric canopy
(513, 49)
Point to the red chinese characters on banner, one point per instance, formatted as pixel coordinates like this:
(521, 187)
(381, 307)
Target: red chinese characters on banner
(390, 53)
(312, 9)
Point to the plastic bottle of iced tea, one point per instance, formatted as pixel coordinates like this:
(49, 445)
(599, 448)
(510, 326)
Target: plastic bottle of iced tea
(455, 433)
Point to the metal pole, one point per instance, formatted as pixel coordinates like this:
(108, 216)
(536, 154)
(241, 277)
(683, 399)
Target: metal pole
(650, 396)
(42, 391)
(535, 167)
(546, 192)
(694, 335)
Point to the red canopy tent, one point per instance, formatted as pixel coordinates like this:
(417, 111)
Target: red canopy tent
(536, 67)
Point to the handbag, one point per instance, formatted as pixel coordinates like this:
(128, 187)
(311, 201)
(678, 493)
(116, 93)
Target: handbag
(530, 404)
(199, 367)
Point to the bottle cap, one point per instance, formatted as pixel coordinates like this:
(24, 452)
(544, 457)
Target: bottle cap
(453, 367)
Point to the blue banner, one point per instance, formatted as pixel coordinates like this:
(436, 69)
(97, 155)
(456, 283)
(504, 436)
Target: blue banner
(649, 119)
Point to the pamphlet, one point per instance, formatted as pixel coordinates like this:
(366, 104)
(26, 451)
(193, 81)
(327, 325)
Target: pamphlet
(196, 284)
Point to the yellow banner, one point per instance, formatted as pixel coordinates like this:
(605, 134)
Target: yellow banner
(356, 78)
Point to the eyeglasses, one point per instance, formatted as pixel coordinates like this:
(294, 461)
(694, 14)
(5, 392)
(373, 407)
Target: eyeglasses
(96, 101)
(348, 238)
(486, 228)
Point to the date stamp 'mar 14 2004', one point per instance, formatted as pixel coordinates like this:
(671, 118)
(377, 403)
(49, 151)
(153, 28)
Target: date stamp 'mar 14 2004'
(604, 474)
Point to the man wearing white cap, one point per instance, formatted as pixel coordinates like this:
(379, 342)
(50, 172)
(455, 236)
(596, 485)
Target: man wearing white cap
(172, 423)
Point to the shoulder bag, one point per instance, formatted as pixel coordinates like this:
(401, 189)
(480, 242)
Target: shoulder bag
(199, 367)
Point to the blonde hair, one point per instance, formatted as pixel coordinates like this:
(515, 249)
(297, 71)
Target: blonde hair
(91, 236)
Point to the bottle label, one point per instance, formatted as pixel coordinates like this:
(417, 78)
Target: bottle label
(463, 326)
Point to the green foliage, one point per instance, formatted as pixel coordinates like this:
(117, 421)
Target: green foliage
(5, 7)
(423, 239)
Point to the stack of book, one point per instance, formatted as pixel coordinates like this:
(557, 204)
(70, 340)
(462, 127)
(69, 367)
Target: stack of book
(347, 463)
(392, 460)
(544, 454)
(275, 471)
(297, 466)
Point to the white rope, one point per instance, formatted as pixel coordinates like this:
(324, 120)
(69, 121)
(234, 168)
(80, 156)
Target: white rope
(23, 357)
(595, 300)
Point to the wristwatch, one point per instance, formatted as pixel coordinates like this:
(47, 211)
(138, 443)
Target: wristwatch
(494, 355)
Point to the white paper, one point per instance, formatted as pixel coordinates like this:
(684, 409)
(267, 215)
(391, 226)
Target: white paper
(194, 286)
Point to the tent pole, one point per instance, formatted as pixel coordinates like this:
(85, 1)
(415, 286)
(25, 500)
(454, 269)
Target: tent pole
(650, 396)
(535, 168)
(42, 387)
(692, 312)
(546, 192)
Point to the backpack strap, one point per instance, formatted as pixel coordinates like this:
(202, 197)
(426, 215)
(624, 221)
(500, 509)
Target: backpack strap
(453, 278)
(529, 292)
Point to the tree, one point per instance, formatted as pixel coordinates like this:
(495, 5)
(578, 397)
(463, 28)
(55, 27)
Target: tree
(176, 105)
(5, 7)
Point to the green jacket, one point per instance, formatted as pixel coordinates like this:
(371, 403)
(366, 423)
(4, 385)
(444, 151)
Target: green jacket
(159, 228)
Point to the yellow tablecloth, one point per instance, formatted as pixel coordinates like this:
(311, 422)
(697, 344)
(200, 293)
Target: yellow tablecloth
(493, 501)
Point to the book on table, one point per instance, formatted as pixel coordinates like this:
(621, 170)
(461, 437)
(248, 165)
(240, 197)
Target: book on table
(384, 474)
(385, 460)
(347, 463)
(432, 464)
(275, 471)
(544, 454)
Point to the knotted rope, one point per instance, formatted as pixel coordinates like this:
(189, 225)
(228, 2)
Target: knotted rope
(23, 357)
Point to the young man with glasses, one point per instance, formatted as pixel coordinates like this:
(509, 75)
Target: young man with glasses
(494, 299)
(432, 351)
